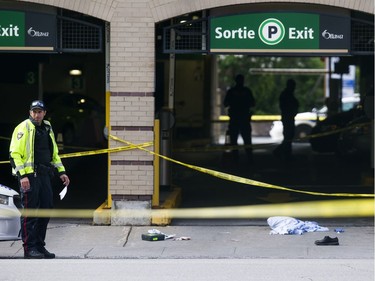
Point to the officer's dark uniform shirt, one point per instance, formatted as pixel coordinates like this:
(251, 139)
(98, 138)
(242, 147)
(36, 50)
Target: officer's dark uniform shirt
(239, 99)
(42, 145)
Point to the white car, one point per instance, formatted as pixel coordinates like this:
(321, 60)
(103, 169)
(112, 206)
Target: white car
(10, 223)
(304, 122)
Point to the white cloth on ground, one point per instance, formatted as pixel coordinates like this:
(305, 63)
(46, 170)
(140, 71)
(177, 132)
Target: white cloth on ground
(289, 225)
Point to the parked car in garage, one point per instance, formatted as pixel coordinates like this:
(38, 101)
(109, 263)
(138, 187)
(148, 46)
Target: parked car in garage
(10, 224)
(357, 140)
(304, 123)
(339, 131)
(77, 120)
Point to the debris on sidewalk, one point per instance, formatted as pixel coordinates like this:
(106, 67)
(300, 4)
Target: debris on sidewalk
(157, 235)
(339, 230)
(153, 237)
(167, 236)
(288, 225)
(327, 241)
(182, 238)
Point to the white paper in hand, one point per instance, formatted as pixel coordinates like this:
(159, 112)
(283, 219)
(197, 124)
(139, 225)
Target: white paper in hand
(63, 192)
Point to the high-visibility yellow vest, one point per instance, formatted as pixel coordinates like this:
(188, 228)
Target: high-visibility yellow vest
(22, 149)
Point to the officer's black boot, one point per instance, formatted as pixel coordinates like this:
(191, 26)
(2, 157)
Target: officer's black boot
(46, 253)
(33, 254)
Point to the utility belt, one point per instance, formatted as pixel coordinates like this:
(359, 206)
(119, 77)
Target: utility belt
(44, 169)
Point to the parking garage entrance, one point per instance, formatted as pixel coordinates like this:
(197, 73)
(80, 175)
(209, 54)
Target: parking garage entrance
(193, 44)
(57, 56)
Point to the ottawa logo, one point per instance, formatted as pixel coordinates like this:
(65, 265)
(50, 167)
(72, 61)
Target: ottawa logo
(34, 33)
(271, 31)
(327, 35)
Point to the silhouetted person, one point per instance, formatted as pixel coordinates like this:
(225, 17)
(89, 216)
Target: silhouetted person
(240, 100)
(289, 108)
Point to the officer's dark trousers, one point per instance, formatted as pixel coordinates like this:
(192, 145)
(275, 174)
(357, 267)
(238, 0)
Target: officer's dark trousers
(39, 196)
(241, 125)
(284, 150)
(288, 132)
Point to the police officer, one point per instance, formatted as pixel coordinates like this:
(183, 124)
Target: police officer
(288, 104)
(34, 159)
(240, 100)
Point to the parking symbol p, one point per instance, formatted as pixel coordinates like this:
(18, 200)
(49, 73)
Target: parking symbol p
(271, 31)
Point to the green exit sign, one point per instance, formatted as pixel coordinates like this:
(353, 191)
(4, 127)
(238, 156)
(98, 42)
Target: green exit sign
(279, 33)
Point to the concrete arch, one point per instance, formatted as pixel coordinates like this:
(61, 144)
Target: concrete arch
(100, 9)
(163, 9)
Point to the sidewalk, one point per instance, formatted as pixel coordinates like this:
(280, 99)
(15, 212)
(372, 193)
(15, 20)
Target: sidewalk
(81, 240)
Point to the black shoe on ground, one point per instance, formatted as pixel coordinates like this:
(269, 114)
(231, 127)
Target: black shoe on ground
(327, 241)
(33, 254)
(47, 255)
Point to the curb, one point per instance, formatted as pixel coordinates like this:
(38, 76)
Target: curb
(172, 201)
(102, 215)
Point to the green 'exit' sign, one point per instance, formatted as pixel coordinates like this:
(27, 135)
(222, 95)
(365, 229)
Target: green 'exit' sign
(279, 33)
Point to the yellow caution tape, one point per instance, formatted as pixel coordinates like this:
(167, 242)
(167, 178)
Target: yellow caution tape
(336, 131)
(214, 173)
(260, 146)
(105, 150)
(242, 180)
(255, 117)
(224, 147)
(100, 151)
(212, 148)
(315, 209)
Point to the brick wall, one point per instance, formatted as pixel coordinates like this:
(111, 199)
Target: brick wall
(132, 117)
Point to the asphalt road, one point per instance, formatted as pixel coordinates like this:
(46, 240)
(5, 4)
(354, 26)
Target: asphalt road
(187, 269)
